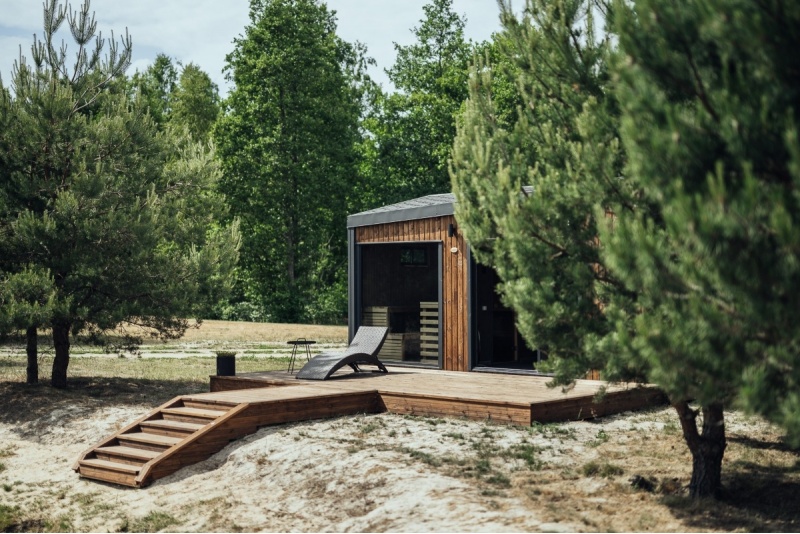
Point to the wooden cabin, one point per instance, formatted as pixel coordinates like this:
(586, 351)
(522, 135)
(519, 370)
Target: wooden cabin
(410, 269)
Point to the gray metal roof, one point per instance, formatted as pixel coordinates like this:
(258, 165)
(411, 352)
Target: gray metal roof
(408, 210)
(411, 210)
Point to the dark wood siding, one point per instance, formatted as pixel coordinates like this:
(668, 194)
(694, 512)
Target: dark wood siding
(455, 269)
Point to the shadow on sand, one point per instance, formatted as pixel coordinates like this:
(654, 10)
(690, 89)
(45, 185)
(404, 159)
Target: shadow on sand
(755, 498)
(24, 403)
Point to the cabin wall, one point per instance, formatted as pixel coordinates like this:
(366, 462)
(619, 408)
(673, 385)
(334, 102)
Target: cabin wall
(455, 269)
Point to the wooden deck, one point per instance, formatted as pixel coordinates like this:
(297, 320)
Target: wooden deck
(515, 399)
(190, 428)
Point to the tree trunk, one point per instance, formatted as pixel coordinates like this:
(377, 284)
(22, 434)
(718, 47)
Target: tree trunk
(32, 349)
(707, 448)
(61, 361)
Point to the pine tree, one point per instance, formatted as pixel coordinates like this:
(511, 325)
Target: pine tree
(693, 281)
(27, 302)
(561, 140)
(710, 112)
(195, 102)
(98, 201)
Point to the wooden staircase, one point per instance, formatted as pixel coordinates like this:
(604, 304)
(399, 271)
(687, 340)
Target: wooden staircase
(181, 432)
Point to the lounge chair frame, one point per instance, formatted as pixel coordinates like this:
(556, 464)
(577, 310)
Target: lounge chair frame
(363, 350)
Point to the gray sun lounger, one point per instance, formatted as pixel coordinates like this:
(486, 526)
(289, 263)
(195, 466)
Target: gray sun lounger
(363, 350)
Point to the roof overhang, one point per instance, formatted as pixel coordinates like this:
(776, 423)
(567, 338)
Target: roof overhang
(410, 210)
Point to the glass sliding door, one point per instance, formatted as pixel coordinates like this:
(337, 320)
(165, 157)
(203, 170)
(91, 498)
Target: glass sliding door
(399, 289)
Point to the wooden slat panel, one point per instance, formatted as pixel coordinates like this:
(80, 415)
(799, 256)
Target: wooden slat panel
(586, 408)
(400, 404)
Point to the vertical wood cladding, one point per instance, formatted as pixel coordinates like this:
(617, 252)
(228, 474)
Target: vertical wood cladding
(455, 271)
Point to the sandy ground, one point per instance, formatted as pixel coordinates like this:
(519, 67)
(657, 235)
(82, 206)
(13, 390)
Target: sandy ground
(345, 474)
(381, 473)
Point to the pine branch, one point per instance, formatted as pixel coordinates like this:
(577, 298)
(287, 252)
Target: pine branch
(702, 95)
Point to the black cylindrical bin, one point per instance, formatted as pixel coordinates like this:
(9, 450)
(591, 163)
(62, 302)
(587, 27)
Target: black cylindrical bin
(226, 364)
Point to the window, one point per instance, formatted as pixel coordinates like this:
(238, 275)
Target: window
(414, 256)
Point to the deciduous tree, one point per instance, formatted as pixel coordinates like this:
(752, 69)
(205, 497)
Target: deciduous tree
(155, 86)
(412, 129)
(286, 142)
(195, 102)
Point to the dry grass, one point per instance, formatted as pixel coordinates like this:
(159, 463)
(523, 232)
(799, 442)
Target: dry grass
(260, 340)
(231, 332)
(173, 368)
(598, 489)
(190, 372)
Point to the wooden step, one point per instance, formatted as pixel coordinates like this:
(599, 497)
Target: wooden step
(112, 466)
(145, 440)
(125, 455)
(191, 415)
(116, 473)
(166, 427)
(208, 404)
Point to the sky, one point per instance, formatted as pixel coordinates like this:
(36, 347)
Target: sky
(202, 31)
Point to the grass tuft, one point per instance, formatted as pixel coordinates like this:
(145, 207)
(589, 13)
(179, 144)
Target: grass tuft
(9, 518)
(153, 522)
(603, 470)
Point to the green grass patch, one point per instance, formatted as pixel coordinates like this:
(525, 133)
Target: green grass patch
(526, 452)
(424, 457)
(483, 466)
(603, 470)
(553, 429)
(372, 426)
(499, 479)
(60, 523)
(671, 428)
(602, 437)
(9, 518)
(153, 522)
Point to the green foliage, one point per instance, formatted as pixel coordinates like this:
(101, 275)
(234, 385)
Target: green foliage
(286, 142)
(9, 517)
(555, 132)
(694, 279)
(412, 130)
(108, 220)
(195, 102)
(155, 86)
(27, 298)
(710, 113)
(177, 96)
